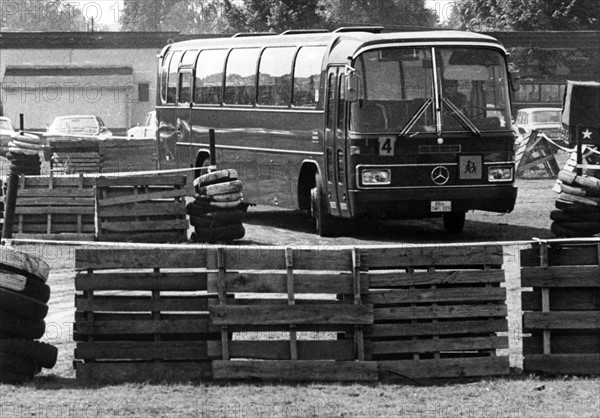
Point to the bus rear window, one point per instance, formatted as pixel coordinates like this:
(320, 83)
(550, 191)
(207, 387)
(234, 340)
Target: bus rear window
(240, 76)
(307, 75)
(173, 79)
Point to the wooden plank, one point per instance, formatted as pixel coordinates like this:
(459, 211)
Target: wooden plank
(141, 350)
(443, 368)
(182, 281)
(564, 342)
(564, 299)
(57, 193)
(437, 328)
(57, 237)
(143, 372)
(459, 294)
(280, 350)
(435, 345)
(55, 210)
(304, 282)
(168, 194)
(141, 226)
(58, 182)
(134, 257)
(401, 279)
(295, 370)
(435, 256)
(29, 228)
(120, 303)
(163, 326)
(561, 320)
(563, 255)
(579, 364)
(176, 236)
(438, 312)
(561, 276)
(55, 201)
(143, 209)
(291, 315)
(141, 180)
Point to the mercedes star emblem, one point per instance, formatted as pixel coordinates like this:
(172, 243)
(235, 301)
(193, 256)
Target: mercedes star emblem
(440, 175)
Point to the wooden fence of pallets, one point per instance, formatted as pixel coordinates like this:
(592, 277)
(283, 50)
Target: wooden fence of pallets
(145, 208)
(60, 208)
(122, 155)
(277, 314)
(73, 155)
(562, 311)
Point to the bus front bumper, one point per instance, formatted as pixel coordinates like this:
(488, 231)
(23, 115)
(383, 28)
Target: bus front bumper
(417, 203)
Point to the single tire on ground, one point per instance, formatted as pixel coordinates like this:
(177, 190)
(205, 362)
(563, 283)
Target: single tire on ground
(561, 215)
(21, 305)
(19, 364)
(42, 353)
(12, 378)
(14, 326)
(222, 234)
(560, 231)
(210, 222)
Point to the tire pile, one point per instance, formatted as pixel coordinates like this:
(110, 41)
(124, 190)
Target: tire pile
(218, 212)
(23, 306)
(24, 154)
(578, 206)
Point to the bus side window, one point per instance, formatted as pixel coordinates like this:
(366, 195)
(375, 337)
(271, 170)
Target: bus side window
(164, 75)
(209, 76)
(307, 76)
(185, 88)
(173, 79)
(274, 74)
(240, 76)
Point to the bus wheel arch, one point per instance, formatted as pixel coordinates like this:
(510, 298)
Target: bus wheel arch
(306, 182)
(202, 160)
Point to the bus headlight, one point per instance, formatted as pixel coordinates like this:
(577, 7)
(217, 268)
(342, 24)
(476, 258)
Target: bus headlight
(371, 177)
(500, 174)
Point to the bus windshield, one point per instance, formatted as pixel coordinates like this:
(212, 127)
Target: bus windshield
(398, 93)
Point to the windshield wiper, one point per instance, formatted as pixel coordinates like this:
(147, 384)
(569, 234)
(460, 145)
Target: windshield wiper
(462, 118)
(416, 117)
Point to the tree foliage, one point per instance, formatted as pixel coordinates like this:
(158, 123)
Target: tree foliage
(528, 15)
(41, 15)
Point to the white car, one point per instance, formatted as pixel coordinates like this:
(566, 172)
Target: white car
(6, 132)
(542, 119)
(83, 125)
(147, 130)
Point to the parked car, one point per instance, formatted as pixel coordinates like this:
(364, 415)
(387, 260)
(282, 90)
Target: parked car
(543, 119)
(147, 129)
(6, 132)
(83, 125)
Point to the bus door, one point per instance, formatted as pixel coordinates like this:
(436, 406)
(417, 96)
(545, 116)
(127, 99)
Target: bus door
(184, 116)
(335, 150)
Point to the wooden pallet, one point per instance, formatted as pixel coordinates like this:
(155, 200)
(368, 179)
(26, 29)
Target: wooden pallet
(438, 312)
(277, 314)
(149, 208)
(75, 162)
(533, 153)
(56, 208)
(122, 155)
(562, 310)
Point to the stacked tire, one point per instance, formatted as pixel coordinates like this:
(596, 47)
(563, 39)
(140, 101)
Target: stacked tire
(577, 211)
(217, 213)
(23, 306)
(24, 154)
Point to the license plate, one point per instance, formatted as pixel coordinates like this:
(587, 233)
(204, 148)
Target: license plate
(441, 206)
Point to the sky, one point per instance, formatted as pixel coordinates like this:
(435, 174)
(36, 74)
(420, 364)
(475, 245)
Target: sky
(106, 12)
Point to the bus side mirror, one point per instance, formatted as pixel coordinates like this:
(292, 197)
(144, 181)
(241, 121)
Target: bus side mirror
(513, 77)
(351, 92)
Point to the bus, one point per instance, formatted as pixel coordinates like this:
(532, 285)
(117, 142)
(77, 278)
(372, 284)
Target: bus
(357, 123)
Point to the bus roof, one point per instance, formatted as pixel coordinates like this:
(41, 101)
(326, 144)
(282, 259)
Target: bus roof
(355, 39)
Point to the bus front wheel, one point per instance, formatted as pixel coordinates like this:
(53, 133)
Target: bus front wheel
(454, 221)
(325, 224)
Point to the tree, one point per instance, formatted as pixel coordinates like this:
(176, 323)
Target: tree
(528, 15)
(41, 15)
(378, 12)
(144, 15)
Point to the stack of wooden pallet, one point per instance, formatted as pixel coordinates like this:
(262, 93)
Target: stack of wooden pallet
(149, 208)
(71, 155)
(122, 155)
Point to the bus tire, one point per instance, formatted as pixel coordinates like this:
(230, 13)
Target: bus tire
(44, 354)
(454, 222)
(22, 306)
(27, 286)
(324, 222)
(18, 327)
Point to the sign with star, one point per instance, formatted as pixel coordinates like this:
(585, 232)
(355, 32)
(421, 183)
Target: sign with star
(581, 112)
